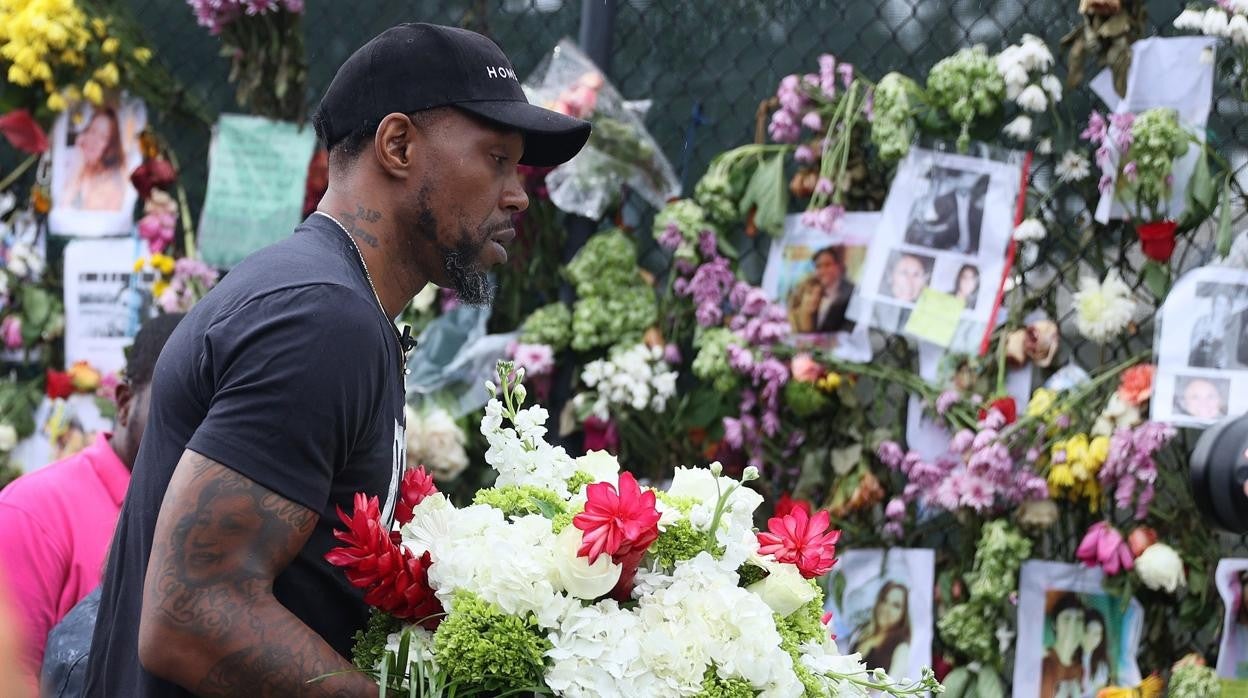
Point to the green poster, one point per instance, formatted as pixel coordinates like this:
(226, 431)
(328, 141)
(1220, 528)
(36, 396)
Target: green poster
(256, 176)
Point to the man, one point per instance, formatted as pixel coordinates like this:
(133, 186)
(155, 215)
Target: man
(908, 277)
(56, 522)
(282, 394)
(819, 303)
(951, 217)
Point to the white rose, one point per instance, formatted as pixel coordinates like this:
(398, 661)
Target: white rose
(581, 579)
(784, 590)
(424, 300)
(697, 483)
(435, 441)
(8, 437)
(602, 466)
(1159, 567)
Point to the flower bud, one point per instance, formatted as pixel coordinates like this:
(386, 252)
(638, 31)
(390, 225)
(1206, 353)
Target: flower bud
(521, 393)
(751, 473)
(717, 468)
(491, 388)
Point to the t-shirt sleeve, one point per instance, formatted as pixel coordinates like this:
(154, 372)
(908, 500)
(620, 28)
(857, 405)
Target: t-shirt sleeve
(295, 379)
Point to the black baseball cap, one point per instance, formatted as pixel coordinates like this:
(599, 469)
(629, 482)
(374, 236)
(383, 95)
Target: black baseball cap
(414, 67)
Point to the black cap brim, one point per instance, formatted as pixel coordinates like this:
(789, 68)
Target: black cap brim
(550, 138)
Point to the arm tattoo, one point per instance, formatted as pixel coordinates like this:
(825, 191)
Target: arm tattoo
(210, 583)
(353, 222)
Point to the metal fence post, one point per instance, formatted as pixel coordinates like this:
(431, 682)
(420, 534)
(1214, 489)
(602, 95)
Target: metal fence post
(595, 39)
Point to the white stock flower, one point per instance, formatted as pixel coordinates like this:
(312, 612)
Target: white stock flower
(1190, 20)
(1035, 53)
(8, 437)
(1053, 86)
(520, 455)
(576, 574)
(1073, 167)
(1033, 99)
(1045, 146)
(1030, 230)
(784, 589)
(1237, 29)
(1019, 129)
(435, 441)
(1103, 310)
(419, 648)
(635, 377)
(1215, 23)
(1160, 568)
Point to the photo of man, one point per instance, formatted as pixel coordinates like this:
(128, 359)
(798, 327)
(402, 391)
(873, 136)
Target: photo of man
(817, 304)
(906, 276)
(949, 216)
(1200, 397)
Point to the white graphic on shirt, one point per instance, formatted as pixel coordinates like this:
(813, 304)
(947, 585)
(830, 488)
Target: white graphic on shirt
(397, 466)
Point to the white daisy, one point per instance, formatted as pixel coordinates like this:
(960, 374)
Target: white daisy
(1103, 310)
(1073, 167)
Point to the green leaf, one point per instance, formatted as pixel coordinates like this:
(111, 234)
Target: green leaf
(811, 477)
(1157, 278)
(846, 458)
(768, 195)
(989, 684)
(1202, 191)
(728, 249)
(547, 509)
(956, 682)
(1225, 234)
(704, 407)
(836, 588)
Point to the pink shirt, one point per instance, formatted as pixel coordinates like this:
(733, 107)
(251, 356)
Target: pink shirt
(56, 525)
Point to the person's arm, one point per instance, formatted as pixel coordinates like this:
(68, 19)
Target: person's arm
(210, 622)
(37, 564)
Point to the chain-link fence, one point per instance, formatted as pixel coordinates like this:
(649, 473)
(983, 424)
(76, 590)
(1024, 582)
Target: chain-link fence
(707, 65)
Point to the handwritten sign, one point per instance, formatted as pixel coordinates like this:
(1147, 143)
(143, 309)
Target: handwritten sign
(935, 317)
(257, 172)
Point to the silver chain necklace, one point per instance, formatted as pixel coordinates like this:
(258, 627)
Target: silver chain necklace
(373, 287)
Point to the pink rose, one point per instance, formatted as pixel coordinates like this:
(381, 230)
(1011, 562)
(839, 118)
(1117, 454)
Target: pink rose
(805, 369)
(11, 329)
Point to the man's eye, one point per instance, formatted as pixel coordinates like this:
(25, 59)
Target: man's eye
(501, 159)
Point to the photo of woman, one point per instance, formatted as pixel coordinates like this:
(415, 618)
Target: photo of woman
(1095, 653)
(884, 639)
(1202, 398)
(966, 285)
(1061, 673)
(817, 304)
(94, 150)
(99, 184)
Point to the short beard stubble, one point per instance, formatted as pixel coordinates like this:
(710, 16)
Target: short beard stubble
(471, 284)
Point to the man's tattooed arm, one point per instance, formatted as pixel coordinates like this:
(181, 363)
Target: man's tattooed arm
(210, 622)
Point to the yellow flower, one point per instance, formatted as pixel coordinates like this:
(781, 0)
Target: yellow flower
(84, 378)
(140, 264)
(73, 94)
(110, 45)
(158, 288)
(1077, 448)
(56, 102)
(93, 92)
(829, 382)
(41, 71)
(108, 75)
(1059, 477)
(164, 263)
(57, 34)
(1041, 400)
(1098, 451)
(99, 26)
(142, 55)
(18, 76)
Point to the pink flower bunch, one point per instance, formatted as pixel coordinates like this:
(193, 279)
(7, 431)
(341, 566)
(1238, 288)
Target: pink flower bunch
(215, 15)
(798, 108)
(535, 359)
(978, 473)
(1130, 469)
(708, 287)
(1109, 135)
(191, 280)
(1104, 547)
(11, 331)
(827, 219)
(159, 221)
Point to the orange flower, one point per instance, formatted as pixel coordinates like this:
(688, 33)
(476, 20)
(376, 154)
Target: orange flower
(1137, 384)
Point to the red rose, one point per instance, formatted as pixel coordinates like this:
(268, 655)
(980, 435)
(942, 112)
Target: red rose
(155, 173)
(23, 132)
(1157, 239)
(1004, 405)
(59, 384)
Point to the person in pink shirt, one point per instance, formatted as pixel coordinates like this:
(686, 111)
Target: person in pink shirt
(56, 523)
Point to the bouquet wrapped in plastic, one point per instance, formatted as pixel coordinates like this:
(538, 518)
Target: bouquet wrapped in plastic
(568, 577)
(620, 151)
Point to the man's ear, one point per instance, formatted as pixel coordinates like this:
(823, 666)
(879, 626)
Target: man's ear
(125, 400)
(394, 144)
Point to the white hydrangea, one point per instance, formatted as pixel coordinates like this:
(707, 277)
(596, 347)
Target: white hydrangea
(596, 651)
(635, 377)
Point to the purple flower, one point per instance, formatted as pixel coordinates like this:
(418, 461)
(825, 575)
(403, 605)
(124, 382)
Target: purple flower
(783, 128)
(741, 360)
(707, 244)
(671, 354)
(709, 314)
(893, 529)
(895, 510)
(846, 71)
(977, 494)
(984, 437)
(736, 297)
(824, 186)
(946, 400)
(681, 286)
(1120, 126)
(771, 423)
(733, 434)
(889, 453)
(790, 96)
(796, 439)
(1095, 132)
(1103, 157)
(1131, 171)
(755, 301)
(684, 267)
(827, 64)
(671, 238)
(961, 441)
(804, 155)
(812, 121)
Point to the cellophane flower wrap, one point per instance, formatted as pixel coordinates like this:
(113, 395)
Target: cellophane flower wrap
(568, 577)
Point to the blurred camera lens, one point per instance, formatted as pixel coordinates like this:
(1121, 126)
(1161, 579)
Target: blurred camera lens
(1219, 468)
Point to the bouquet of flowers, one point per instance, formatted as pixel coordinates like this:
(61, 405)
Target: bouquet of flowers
(570, 578)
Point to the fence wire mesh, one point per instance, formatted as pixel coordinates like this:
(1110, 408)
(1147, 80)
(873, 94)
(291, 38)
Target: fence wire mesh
(707, 64)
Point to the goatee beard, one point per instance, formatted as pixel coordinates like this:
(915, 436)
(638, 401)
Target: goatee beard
(472, 286)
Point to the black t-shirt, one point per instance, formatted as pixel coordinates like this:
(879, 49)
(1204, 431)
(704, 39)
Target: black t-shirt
(289, 373)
